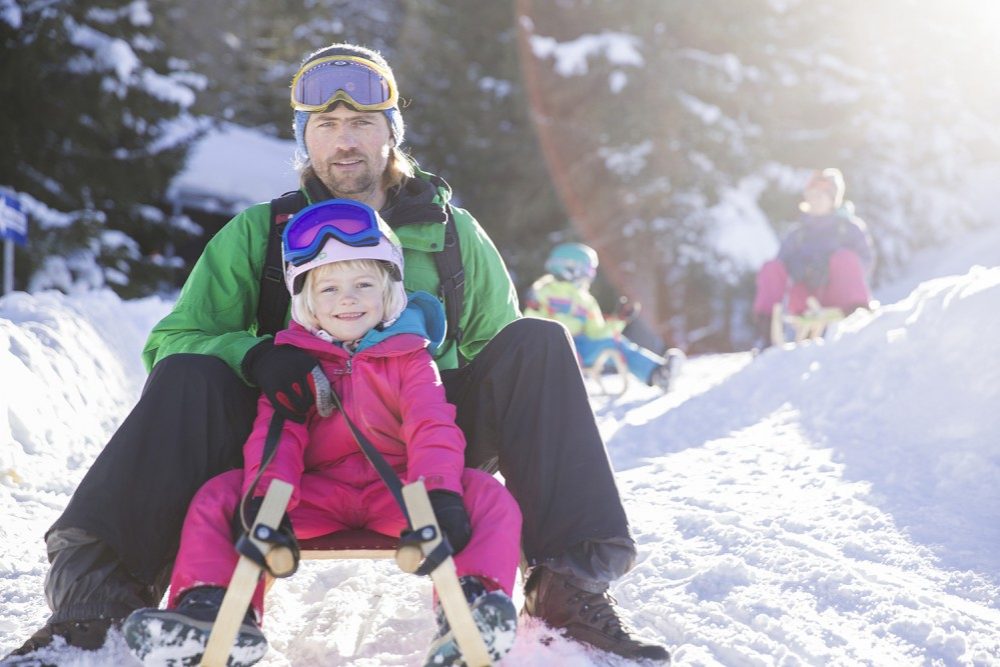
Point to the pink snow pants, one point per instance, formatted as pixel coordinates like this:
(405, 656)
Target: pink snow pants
(845, 288)
(207, 556)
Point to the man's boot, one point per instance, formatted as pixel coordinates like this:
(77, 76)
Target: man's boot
(88, 635)
(587, 616)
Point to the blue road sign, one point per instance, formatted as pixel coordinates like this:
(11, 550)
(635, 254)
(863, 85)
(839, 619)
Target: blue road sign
(13, 221)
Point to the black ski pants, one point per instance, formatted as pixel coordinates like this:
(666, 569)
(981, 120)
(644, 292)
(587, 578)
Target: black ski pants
(521, 403)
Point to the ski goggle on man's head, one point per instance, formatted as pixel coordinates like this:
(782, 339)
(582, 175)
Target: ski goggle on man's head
(350, 79)
(345, 220)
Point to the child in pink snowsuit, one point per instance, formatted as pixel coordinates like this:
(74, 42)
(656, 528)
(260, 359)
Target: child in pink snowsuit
(829, 256)
(371, 340)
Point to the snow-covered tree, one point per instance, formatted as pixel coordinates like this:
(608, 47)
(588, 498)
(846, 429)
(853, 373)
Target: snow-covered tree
(681, 133)
(248, 51)
(93, 125)
(459, 68)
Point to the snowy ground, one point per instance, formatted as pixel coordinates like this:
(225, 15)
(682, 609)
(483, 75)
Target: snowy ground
(834, 504)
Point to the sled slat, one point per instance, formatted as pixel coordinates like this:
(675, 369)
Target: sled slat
(244, 581)
(445, 579)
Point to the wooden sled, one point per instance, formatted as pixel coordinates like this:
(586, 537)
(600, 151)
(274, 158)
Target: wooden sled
(596, 370)
(810, 324)
(348, 544)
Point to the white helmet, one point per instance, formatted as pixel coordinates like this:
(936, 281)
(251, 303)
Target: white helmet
(339, 230)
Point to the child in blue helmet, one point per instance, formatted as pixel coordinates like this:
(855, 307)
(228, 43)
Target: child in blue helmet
(563, 294)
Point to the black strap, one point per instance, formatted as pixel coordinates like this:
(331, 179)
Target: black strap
(274, 430)
(451, 274)
(267, 534)
(274, 299)
(378, 462)
(413, 535)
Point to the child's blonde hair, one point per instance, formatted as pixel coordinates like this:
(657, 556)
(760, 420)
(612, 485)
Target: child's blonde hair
(304, 305)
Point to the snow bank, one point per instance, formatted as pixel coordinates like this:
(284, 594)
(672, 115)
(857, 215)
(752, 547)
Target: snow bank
(830, 504)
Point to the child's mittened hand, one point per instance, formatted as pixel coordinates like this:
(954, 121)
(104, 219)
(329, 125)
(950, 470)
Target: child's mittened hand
(628, 310)
(452, 517)
(283, 373)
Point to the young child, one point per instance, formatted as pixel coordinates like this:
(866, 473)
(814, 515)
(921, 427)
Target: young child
(827, 256)
(350, 311)
(563, 294)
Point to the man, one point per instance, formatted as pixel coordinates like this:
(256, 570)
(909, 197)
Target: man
(520, 398)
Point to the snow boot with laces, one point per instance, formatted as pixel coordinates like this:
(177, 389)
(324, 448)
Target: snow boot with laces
(179, 636)
(587, 613)
(41, 649)
(495, 616)
(665, 376)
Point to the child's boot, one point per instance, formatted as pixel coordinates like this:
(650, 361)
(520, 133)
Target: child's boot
(494, 615)
(665, 376)
(178, 636)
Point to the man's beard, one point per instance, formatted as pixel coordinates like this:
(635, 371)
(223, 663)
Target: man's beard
(348, 186)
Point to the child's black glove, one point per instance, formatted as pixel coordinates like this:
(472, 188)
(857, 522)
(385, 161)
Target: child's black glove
(628, 310)
(285, 536)
(452, 517)
(284, 375)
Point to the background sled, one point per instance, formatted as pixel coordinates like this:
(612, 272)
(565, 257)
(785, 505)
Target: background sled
(810, 324)
(596, 371)
(341, 545)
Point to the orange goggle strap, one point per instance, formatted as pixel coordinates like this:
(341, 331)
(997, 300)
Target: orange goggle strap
(340, 95)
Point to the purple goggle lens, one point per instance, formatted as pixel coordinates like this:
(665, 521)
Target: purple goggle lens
(343, 219)
(344, 78)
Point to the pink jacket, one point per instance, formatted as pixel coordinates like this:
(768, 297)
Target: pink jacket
(393, 394)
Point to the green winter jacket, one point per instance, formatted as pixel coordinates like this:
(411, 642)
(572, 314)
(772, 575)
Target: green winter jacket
(216, 312)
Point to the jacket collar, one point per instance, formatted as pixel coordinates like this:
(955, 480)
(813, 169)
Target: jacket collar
(418, 200)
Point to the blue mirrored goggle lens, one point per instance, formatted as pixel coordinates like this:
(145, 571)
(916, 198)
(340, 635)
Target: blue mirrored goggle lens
(319, 84)
(349, 223)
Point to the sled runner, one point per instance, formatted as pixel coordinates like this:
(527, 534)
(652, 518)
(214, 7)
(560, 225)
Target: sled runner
(348, 544)
(596, 372)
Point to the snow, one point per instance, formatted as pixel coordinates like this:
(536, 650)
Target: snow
(266, 167)
(830, 504)
(571, 56)
(110, 54)
(740, 231)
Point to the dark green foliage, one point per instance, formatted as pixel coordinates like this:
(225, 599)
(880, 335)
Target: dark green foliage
(89, 129)
(676, 123)
(468, 120)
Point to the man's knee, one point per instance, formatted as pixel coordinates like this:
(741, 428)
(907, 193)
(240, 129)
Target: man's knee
(193, 370)
(534, 332)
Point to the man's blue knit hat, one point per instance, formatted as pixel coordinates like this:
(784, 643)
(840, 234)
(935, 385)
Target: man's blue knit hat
(344, 49)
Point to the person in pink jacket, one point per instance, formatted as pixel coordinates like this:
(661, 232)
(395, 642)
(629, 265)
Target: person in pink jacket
(828, 256)
(350, 312)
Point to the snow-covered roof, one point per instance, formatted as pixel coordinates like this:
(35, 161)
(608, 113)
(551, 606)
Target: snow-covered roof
(232, 167)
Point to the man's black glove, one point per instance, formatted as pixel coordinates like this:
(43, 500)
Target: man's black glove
(452, 517)
(283, 373)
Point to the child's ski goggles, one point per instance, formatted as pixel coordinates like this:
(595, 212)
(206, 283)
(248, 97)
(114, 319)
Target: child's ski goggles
(356, 81)
(347, 221)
